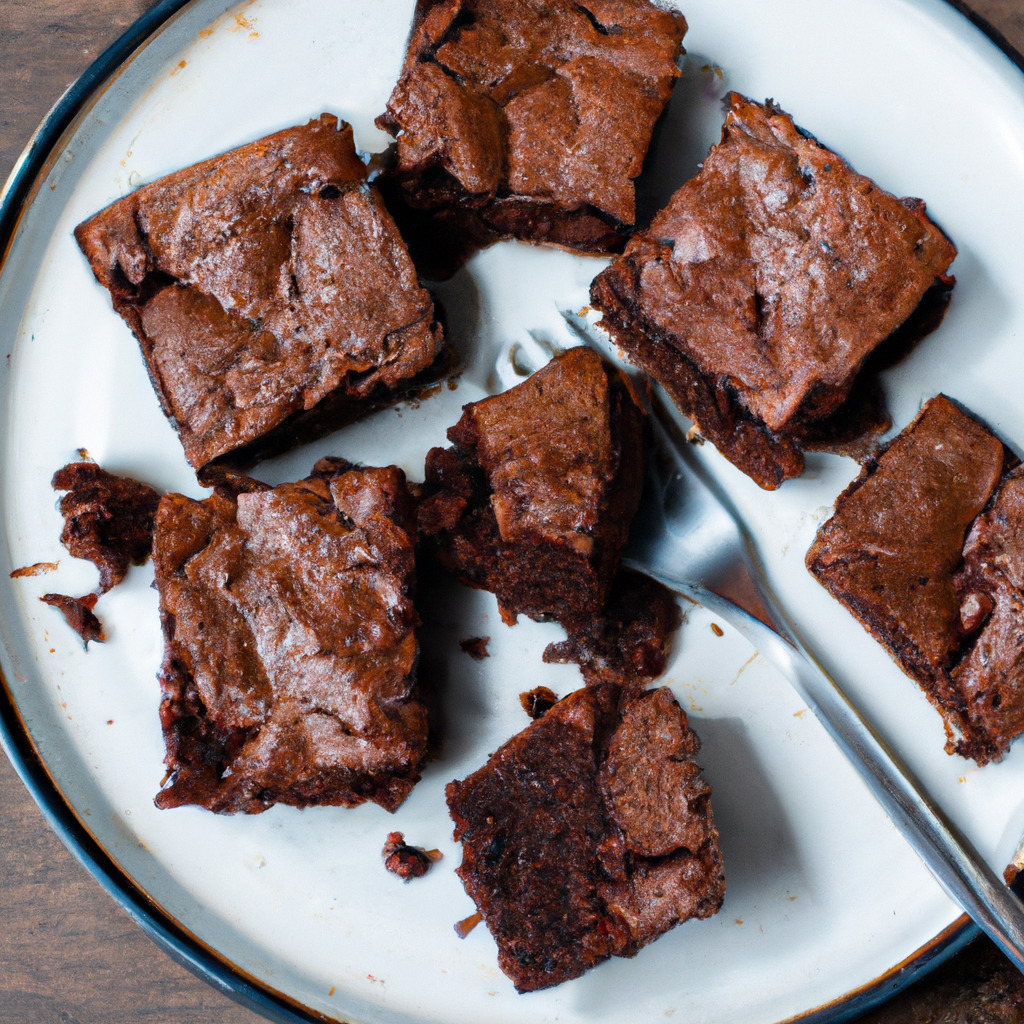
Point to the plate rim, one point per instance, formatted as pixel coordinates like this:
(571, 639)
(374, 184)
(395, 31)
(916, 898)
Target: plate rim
(178, 942)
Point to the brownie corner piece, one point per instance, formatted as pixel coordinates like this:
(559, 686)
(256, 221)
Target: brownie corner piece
(531, 118)
(923, 549)
(229, 273)
(588, 835)
(289, 671)
(759, 292)
(534, 499)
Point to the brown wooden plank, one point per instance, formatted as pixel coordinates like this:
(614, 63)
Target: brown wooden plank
(68, 953)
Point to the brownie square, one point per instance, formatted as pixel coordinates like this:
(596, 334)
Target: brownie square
(589, 834)
(989, 678)
(534, 500)
(269, 290)
(923, 548)
(289, 670)
(758, 293)
(530, 118)
(629, 640)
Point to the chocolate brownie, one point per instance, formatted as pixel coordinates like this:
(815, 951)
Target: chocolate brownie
(589, 834)
(108, 519)
(269, 290)
(530, 118)
(534, 500)
(894, 553)
(628, 641)
(79, 614)
(289, 671)
(760, 290)
(989, 678)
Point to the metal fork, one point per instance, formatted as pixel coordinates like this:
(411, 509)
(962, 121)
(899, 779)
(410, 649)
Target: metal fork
(688, 536)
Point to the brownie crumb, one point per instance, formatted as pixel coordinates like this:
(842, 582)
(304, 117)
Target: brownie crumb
(407, 861)
(36, 569)
(78, 611)
(538, 701)
(467, 924)
(476, 647)
(108, 519)
(628, 643)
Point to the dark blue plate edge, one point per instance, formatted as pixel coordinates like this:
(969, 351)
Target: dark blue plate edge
(19, 186)
(164, 931)
(989, 30)
(14, 737)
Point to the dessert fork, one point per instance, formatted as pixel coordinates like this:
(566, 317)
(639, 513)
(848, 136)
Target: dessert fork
(688, 536)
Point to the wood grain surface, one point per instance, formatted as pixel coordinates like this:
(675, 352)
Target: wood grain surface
(68, 953)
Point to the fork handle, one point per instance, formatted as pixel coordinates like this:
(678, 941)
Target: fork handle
(951, 858)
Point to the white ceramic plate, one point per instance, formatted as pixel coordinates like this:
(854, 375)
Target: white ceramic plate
(293, 909)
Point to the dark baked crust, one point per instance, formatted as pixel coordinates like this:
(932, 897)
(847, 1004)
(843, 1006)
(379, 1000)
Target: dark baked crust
(588, 834)
(289, 669)
(534, 501)
(531, 118)
(894, 554)
(757, 294)
(266, 286)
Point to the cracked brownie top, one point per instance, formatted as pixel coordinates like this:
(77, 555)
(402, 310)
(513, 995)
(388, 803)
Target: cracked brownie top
(289, 670)
(945, 607)
(263, 284)
(536, 116)
(759, 291)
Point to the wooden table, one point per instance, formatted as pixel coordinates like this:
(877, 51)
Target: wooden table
(67, 952)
